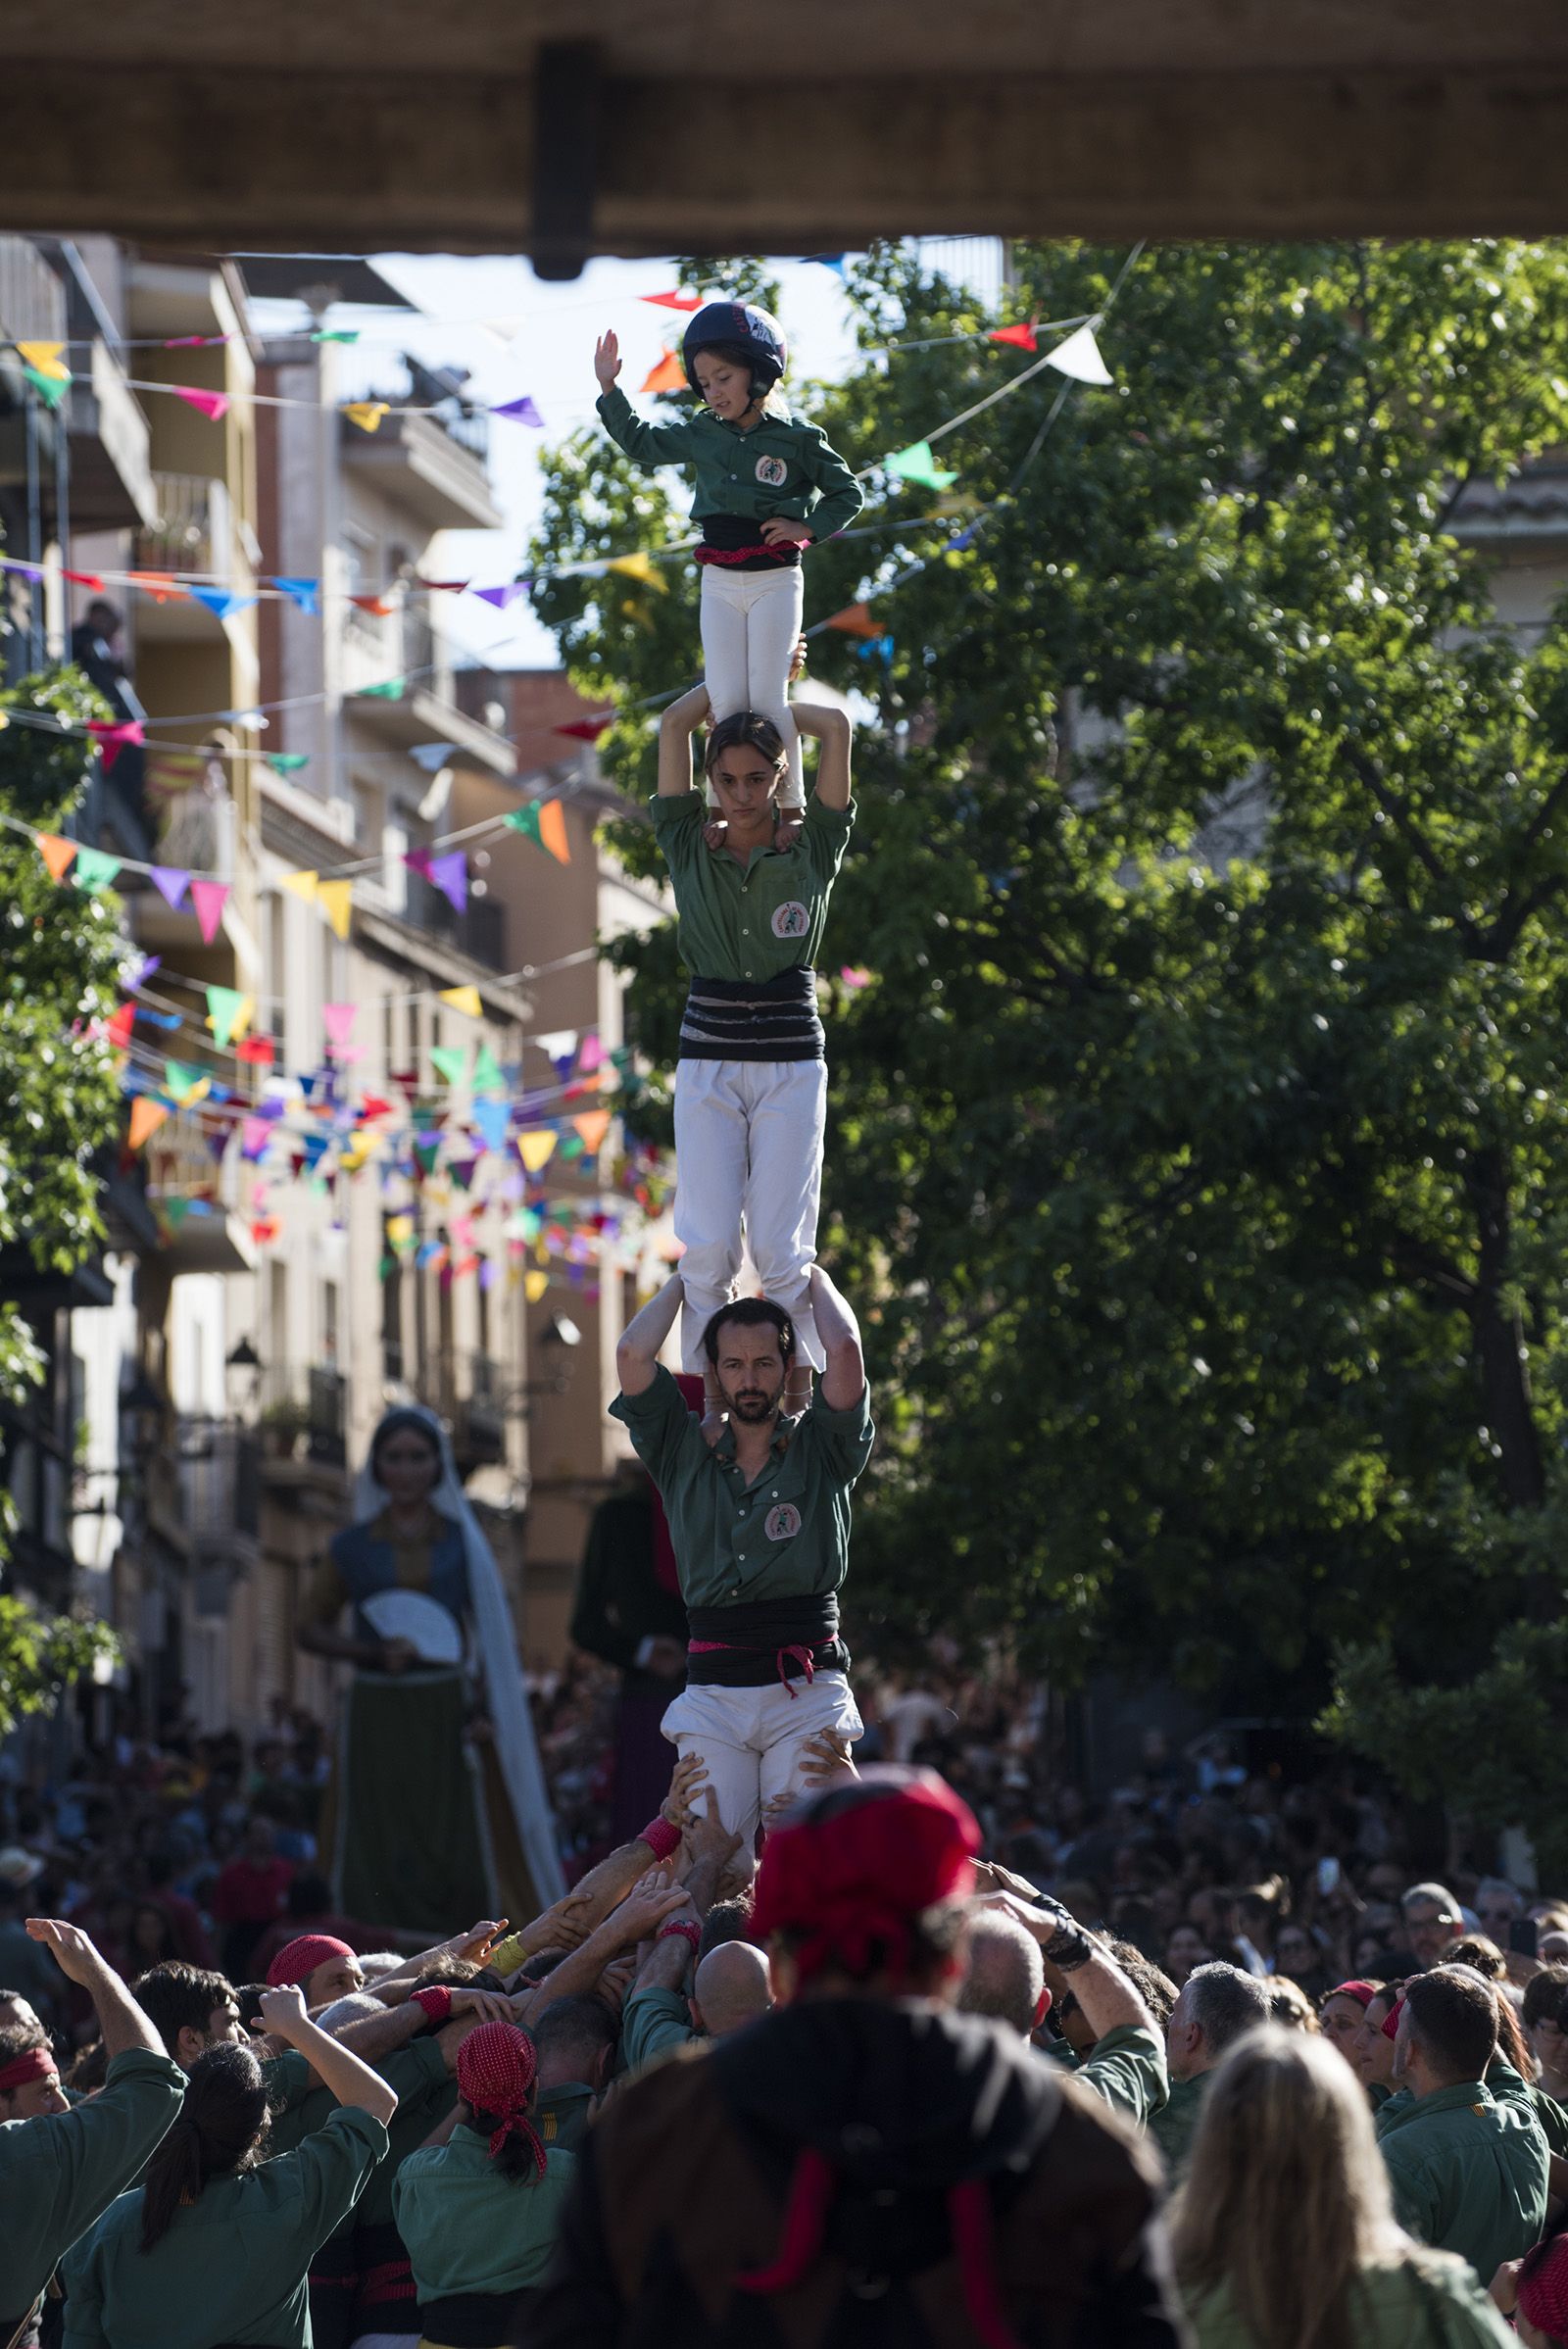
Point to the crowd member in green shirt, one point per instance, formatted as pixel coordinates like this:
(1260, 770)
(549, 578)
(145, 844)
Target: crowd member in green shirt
(1217, 2005)
(751, 1088)
(479, 2208)
(760, 1528)
(767, 484)
(1121, 2056)
(214, 2245)
(1283, 2230)
(575, 2042)
(1468, 2171)
(61, 2165)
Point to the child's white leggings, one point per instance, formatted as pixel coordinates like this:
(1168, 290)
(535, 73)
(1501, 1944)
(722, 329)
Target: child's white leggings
(751, 620)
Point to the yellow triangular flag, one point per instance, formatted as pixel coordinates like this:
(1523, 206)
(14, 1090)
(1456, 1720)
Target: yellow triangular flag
(534, 1285)
(640, 566)
(366, 413)
(536, 1148)
(302, 886)
(335, 897)
(44, 358)
(465, 999)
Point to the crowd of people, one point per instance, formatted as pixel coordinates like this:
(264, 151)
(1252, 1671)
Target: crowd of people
(984, 2060)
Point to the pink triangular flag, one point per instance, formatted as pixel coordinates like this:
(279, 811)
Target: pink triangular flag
(112, 736)
(209, 898)
(591, 1053)
(418, 861)
(171, 882)
(211, 402)
(338, 1020)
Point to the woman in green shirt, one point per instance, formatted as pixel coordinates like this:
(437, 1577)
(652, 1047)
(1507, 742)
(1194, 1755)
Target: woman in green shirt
(479, 2206)
(211, 2250)
(1282, 2234)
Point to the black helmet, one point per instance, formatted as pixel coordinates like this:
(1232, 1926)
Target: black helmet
(742, 323)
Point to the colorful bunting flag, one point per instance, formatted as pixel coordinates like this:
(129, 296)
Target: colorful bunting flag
(381, 606)
(1023, 336)
(335, 334)
(391, 691)
(536, 1148)
(507, 593)
(534, 1285)
(45, 360)
(917, 464)
(57, 855)
(51, 389)
(465, 999)
(221, 602)
(229, 1013)
(306, 593)
(490, 1123)
(366, 413)
(669, 375)
(287, 762)
(114, 736)
(146, 1116)
(583, 729)
(1079, 357)
(170, 882)
(118, 1025)
(639, 566)
(593, 1126)
(856, 620)
(209, 898)
(302, 885)
(337, 901)
(186, 1083)
(259, 1050)
(487, 1076)
(338, 1020)
(161, 586)
(854, 977)
(450, 874)
(675, 301)
(451, 1065)
(214, 404)
(522, 412)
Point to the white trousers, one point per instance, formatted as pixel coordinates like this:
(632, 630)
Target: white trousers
(748, 1151)
(751, 620)
(752, 1738)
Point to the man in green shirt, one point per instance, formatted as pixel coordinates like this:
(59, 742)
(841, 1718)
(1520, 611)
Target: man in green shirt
(1468, 2171)
(1218, 2003)
(760, 1526)
(61, 2168)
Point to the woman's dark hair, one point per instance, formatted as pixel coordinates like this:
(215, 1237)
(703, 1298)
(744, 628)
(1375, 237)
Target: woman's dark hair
(1546, 1996)
(752, 1312)
(744, 730)
(219, 2131)
(405, 1423)
(515, 2160)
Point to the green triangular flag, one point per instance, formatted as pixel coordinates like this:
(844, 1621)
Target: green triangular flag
(287, 763)
(487, 1076)
(916, 463)
(175, 1211)
(181, 1080)
(224, 1007)
(49, 388)
(526, 821)
(392, 691)
(336, 334)
(95, 870)
(451, 1066)
(427, 1153)
(388, 1266)
(571, 1146)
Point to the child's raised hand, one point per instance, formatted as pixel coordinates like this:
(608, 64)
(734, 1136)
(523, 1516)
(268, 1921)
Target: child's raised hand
(606, 360)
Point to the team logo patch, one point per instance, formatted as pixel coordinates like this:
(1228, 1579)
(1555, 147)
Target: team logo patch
(783, 1523)
(791, 921)
(773, 470)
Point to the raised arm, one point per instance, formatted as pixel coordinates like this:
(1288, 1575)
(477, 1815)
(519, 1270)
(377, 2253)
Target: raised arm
(648, 444)
(835, 733)
(341, 2072)
(119, 2019)
(637, 1355)
(680, 721)
(844, 1379)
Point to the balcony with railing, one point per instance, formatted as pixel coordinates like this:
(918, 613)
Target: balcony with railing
(194, 530)
(219, 1472)
(433, 465)
(305, 1423)
(404, 643)
(47, 295)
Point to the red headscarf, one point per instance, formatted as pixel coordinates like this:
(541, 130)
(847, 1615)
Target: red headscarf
(865, 1873)
(298, 1959)
(1363, 1993)
(37, 2063)
(1543, 2287)
(496, 2068)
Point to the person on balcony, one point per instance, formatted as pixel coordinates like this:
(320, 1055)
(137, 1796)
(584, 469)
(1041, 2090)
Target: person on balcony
(438, 1811)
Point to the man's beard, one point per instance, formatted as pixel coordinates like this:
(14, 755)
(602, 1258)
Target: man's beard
(750, 1405)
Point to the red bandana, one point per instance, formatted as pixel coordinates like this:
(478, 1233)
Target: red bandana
(37, 2064)
(496, 2067)
(865, 1873)
(298, 1959)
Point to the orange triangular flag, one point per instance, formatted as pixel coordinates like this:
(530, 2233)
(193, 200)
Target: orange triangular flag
(668, 376)
(57, 853)
(146, 1116)
(593, 1126)
(552, 831)
(856, 620)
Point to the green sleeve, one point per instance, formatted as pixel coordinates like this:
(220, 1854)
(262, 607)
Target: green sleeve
(825, 836)
(654, 2023)
(1414, 2204)
(660, 1424)
(842, 496)
(843, 1438)
(648, 444)
(60, 2173)
(678, 819)
(1127, 2068)
(328, 2172)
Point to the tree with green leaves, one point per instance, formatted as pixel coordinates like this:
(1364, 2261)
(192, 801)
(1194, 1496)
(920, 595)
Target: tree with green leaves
(61, 956)
(1201, 1135)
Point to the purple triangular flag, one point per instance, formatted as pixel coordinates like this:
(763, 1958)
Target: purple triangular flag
(522, 412)
(501, 597)
(171, 882)
(451, 876)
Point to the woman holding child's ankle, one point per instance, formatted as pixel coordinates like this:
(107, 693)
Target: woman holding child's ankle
(750, 1090)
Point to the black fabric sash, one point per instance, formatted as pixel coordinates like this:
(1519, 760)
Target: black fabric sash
(753, 1020)
(476, 2319)
(756, 1637)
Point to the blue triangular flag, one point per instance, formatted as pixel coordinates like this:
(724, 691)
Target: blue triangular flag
(305, 592)
(218, 600)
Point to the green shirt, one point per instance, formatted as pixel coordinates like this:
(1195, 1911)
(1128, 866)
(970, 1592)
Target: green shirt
(757, 920)
(562, 2115)
(425, 2093)
(61, 2172)
(782, 465)
(1469, 2172)
(1172, 2126)
(1510, 2086)
(654, 2023)
(232, 2266)
(1436, 2305)
(786, 1535)
(468, 2228)
(1127, 2068)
